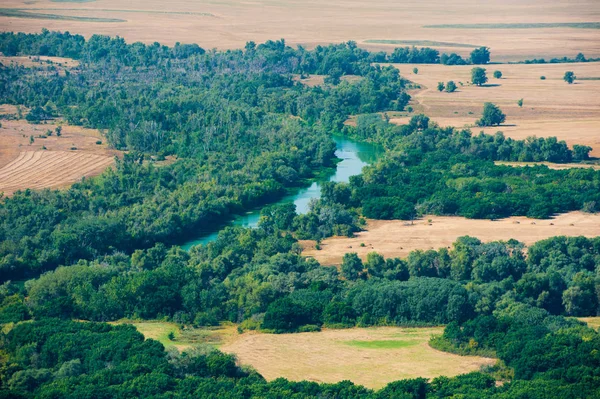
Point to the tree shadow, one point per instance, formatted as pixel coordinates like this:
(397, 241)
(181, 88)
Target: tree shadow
(491, 85)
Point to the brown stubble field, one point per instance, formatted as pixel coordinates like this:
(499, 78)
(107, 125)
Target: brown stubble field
(551, 107)
(397, 238)
(231, 23)
(65, 160)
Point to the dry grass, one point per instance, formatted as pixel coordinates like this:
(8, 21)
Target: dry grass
(593, 322)
(396, 238)
(556, 166)
(231, 23)
(551, 107)
(24, 165)
(40, 61)
(371, 357)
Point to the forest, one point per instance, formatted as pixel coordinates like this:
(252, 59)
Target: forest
(242, 131)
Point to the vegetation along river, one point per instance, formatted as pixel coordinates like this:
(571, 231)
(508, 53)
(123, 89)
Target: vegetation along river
(354, 156)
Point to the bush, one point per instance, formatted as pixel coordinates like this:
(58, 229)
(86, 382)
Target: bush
(497, 74)
(569, 77)
(542, 77)
(451, 87)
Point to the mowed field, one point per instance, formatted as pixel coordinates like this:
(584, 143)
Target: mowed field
(396, 238)
(371, 357)
(63, 161)
(513, 30)
(551, 107)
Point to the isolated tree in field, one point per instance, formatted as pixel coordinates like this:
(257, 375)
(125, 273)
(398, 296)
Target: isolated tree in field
(352, 266)
(31, 140)
(497, 74)
(415, 70)
(451, 87)
(569, 77)
(441, 86)
(58, 130)
(478, 76)
(520, 102)
(480, 55)
(492, 115)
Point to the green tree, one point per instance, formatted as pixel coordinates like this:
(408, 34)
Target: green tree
(415, 70)
(569, 77)
(352, 266)
(497, 74)
(478, 76)
(492, 115)
(440, 86)
(451, 87)
(581, 152)
(480, 55)
(520, 102)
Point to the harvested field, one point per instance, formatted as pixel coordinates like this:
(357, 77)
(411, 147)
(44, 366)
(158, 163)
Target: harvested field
(371, 357)
(551, 107)
(554, 29)
(396, 238)
(42, 169)
(50, 161)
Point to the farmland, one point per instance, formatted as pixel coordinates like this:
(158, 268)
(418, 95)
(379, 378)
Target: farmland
(49, 161)
(550, 31)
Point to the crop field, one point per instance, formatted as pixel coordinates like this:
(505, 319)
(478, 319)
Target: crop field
(396, 238)
(49, 161)
(551, 107)
(368, 356)
(512, 30)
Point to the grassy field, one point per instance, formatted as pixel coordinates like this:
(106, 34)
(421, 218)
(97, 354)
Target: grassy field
(182, 338)
(368, 356)
(551, 107)
(310, 22)
(396, 238)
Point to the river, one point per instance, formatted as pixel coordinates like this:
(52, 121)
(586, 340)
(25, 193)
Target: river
(354, 156)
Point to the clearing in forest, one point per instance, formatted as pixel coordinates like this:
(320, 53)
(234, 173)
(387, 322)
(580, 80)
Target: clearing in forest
(371, 357)
(397, 238)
